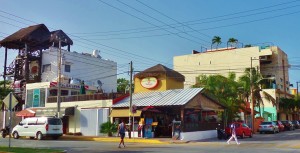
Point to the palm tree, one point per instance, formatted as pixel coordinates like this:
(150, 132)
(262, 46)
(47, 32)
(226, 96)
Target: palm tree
(216, 40)
(257, 81)
(232, 42)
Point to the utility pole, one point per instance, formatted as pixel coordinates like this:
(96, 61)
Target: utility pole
(297, 98)
(252, 101)
(130, 96)
(59, 78)
(297, 90)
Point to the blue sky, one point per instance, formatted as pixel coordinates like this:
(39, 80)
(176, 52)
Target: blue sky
(151, 32)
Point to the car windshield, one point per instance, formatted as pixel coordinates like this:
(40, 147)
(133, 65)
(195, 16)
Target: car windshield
(266, 123)
(54, 121)
(295, 122)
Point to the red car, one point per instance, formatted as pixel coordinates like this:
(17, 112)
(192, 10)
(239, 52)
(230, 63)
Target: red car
(280, 125)
(242, 130)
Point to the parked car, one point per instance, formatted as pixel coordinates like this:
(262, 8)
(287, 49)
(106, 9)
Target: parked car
(268, 127)
(242, 130)
(288, 125)
(280, 125)
(296, 124)
(39, 127)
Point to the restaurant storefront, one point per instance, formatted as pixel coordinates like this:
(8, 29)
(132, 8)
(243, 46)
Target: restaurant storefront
(158, 111)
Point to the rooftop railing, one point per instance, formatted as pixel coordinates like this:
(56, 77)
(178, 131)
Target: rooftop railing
(98, 96)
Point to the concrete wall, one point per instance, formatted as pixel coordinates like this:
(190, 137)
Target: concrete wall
(198, 135)
(74, 121)
(91, 119)
(84, 67)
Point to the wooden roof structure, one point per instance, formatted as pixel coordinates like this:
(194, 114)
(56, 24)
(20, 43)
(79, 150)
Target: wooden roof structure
(159, 70)
(37, 37)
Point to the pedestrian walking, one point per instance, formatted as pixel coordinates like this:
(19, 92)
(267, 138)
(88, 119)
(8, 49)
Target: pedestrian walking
(233, 134)
(121, 131)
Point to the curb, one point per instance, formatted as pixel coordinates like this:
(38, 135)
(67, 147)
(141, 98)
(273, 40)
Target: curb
(115, 139)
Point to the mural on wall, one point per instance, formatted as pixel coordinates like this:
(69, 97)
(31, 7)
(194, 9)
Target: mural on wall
(33, 69)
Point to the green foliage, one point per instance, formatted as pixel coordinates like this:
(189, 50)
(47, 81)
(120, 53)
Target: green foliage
(225, 90)
(123, 84)
(248, 45)
(232, 42)
(4, 91)
(289, 105)
(216, 40)
(257, 82)
(108, 128)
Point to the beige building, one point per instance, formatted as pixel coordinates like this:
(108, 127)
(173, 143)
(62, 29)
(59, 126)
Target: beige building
(271, 62)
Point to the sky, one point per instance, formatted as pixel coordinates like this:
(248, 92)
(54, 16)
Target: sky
(150, 32)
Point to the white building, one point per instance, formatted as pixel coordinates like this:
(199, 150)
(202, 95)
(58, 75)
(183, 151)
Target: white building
(79, 113)
(91, 68)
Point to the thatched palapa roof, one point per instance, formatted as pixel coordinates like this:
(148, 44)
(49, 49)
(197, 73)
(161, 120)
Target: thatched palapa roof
(159, 70)
(36, 37)
(66, 40)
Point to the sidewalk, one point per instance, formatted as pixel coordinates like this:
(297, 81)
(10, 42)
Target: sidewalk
(117, 139)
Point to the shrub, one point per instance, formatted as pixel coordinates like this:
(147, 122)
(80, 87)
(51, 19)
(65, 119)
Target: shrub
(108, 128)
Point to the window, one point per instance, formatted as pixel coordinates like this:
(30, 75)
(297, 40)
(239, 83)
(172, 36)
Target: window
(67, 68)
(74, 92)
(36, 98)
(47, 68)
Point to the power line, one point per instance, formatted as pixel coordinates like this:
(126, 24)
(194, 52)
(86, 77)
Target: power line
(251, 10)
(148, 22)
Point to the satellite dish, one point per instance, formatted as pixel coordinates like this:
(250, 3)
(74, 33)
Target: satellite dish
(99, 83)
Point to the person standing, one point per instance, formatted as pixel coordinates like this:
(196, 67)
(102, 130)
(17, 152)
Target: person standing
(121, 129)
(233, 134)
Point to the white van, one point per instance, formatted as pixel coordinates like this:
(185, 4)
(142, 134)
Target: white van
(39, 127)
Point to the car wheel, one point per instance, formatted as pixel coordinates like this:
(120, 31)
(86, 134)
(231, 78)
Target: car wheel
(251, 135)
(16, 135)
(31, 137)
(39, 136)
(260, 132)
(243, 135)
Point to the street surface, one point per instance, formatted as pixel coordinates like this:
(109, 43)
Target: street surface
(285, 142)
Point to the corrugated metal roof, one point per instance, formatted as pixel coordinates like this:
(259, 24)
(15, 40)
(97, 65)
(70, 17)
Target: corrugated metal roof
(161, 98)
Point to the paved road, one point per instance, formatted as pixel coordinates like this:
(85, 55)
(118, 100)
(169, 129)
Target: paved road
(286, 142)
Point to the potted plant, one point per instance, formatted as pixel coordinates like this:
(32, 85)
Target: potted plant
(108, 128)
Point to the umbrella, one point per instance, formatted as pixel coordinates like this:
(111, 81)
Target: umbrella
(82, 88)
(151, 109)
(26, 113)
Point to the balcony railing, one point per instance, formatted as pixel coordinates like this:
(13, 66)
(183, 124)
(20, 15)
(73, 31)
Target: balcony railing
(102, 96)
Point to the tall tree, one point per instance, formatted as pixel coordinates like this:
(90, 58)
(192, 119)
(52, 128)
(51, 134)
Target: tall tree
(216, 40)
(223, 89)
(122, 85)
(232, 42)
(257, 82)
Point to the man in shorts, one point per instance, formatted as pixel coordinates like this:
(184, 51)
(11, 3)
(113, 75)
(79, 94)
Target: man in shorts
(121, 129)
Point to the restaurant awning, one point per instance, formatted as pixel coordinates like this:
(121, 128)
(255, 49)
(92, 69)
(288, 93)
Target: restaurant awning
(124, 113)
(26, 113)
